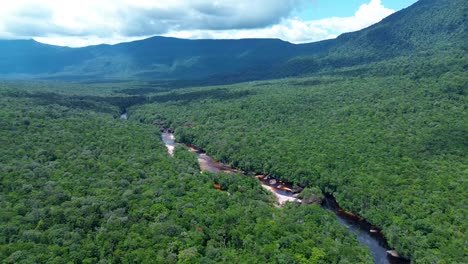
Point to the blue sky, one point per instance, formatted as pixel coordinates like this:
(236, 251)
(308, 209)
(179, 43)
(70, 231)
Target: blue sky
(87, 22)
(319, 9)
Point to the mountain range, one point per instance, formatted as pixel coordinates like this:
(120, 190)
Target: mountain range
(425, 28)
(375, 118)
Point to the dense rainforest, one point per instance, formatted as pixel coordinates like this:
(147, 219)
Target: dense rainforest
(391, 149)
(376, 118)
(79, 185)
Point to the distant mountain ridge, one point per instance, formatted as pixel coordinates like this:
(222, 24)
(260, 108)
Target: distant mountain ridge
(427, 25)
(156, 57)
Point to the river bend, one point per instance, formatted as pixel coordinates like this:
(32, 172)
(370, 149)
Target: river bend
(366, 234)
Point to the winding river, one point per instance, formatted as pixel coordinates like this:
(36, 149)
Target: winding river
(366, 234)
(207, 163)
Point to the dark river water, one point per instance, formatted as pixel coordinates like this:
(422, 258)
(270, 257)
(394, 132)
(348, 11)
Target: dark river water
(366, 234)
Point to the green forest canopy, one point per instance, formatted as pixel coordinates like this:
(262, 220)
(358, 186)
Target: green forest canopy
(79, 185)
(391, 149)
(379, 120)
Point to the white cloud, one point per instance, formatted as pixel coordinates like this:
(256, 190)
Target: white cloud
(71, 41)
(299, 31)
(139, 17)
(85, 22)
(365, 16)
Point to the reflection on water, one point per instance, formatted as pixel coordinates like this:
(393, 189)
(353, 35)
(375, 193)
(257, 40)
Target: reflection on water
(281, 190)
(169, 141)
(366, 234)
(207, 163)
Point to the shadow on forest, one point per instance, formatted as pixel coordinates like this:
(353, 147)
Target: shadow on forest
(218, 94)
(444, 141)
(107, 104)
(168, 85)
(95, 103)
(143, 90)
(311, 82)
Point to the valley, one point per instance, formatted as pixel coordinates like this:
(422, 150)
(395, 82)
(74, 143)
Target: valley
(346, 150)
(367, 234)
(246, 133)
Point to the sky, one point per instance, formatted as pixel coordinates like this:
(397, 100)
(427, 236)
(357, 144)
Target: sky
(78, 23)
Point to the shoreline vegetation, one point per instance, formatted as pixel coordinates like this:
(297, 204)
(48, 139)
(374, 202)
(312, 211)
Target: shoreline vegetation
(284, 193)
(82, 186)
(384, 146)
(377, 118)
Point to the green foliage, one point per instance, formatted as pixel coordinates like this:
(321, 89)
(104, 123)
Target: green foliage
(391, 149)
(311, 195)
(78, 186)
(426, 26)
(381, 123)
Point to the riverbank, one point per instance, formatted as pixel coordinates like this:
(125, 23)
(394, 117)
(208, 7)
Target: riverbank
(207, 163)
(367, 234)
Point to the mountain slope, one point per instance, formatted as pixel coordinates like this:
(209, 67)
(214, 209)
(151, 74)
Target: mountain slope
(426, 28)
(156, 57)
(31, 57)
(427, 25)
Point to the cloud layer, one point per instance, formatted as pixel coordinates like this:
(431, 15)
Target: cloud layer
(84, 22)
(299, 31)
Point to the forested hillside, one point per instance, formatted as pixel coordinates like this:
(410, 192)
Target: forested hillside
(391, 149)
(78, 185)
(376, 118)
(153, 58)
(420, 32)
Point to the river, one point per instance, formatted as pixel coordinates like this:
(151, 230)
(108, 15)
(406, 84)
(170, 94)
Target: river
(366, 234)
(207, 163)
